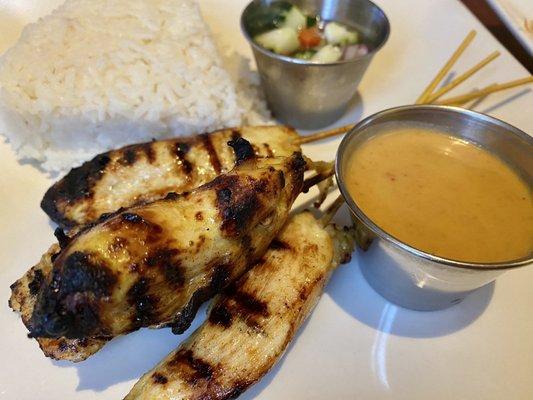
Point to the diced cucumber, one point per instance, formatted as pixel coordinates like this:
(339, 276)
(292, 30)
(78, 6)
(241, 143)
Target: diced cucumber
(294, 19)
(305, 55)
(338, 34)
(282, 41)
(327, 54)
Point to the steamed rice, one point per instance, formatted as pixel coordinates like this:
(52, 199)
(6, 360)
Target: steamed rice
(99, 74)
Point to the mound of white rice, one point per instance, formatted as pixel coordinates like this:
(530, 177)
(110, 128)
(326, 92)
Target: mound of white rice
(99, 74)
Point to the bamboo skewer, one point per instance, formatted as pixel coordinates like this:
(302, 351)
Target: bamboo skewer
(485, 91)
(313, 180)
(474, 101)
(449, 64)
(331, 211)
(460, 79)
(324, 134)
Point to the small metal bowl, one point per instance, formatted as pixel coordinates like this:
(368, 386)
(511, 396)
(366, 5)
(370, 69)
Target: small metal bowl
(402, 274)
(310, 95)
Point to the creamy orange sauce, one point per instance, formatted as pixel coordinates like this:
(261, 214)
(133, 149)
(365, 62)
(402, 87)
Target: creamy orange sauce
(443, 195)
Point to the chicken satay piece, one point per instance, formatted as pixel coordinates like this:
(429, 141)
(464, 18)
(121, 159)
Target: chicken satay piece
(148, 171)
(252, 323)
(154, 264)
(23, 297)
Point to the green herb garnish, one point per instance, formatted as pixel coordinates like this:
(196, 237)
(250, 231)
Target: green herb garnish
(312, 21)
(267, 17)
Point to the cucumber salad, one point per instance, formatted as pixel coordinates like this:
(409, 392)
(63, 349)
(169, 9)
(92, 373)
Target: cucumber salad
(284, 29)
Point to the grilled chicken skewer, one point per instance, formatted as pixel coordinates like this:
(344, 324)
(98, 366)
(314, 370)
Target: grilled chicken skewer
(251, 324)
(154, 264)
(148, 171)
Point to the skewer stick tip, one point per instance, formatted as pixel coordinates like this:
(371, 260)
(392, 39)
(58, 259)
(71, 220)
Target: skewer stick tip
(461, 78)
(446, 68)
(486, 91)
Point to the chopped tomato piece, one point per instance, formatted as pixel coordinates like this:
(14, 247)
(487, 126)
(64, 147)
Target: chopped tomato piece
(309, 37)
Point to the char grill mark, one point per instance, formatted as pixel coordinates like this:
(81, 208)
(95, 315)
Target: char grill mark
(238, 304)
(281, 176)
(242, 148)
(213, 156)
(142, 226)
(298, 165)
(187, 314)
(36, 282)
(235, 134)
(73, 345)
(279, 245)
(63, 345)
(194, 368)
(148, 150)
(71, 298)
(80, 274)
(180, 150)
(167, 261)
(136, 220)
(131, 153)
(159, 379)
(76, 185)
(14, 287)
(145, 304)
(104, 217)
(172, 196)
(246, 245)
(220, 315)
(220, 277)
(219, 280)
(237, 202)
(269, 151)
(61, 237)
(129, 157)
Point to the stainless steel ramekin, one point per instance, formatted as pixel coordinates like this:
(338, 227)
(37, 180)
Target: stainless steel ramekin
(309, 95)
(402, 274)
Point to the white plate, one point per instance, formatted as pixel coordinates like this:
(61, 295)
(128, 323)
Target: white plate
(514, 14)
(355, 345)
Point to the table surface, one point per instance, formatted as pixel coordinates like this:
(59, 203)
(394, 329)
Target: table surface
(355, 345)
(491, 20)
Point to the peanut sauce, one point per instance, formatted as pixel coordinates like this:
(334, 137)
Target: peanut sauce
(443, 195)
